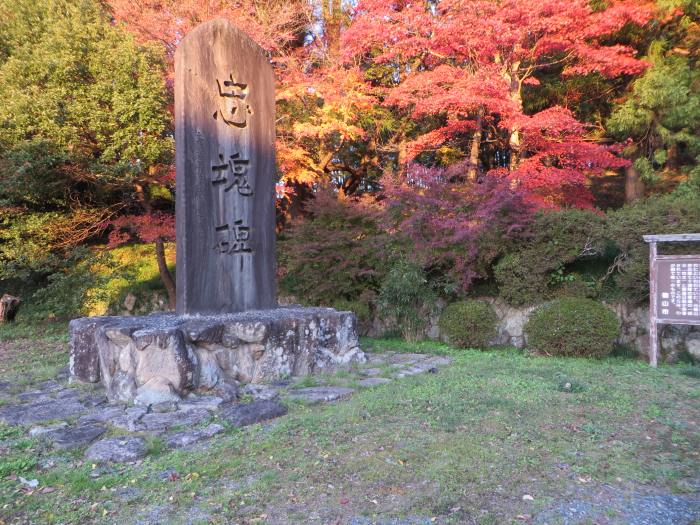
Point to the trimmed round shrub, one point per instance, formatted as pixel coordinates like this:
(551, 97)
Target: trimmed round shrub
(469, 324)
(572, 326)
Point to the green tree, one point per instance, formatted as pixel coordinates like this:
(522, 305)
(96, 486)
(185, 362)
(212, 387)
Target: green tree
(85, 131)
(662, 112)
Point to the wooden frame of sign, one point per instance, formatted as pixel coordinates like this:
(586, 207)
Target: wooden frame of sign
(674, 288)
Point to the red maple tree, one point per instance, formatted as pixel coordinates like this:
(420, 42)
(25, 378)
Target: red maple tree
(465, 62)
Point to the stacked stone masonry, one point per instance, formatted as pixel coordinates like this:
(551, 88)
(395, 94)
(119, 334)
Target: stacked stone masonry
(164, 357)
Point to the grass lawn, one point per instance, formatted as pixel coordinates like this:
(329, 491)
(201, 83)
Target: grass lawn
(460, 446)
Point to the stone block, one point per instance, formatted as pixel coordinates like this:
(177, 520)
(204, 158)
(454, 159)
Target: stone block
(163, 357)
(251, 413)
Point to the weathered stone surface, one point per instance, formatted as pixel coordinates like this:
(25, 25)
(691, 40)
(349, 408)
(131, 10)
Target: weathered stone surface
(156, 390)
(160, 422)
(189, 437)
(692, 342)
(40, 430)
(129, 302)
(320, 394)
(84, 360)
(227, 389)
(225, 164)
(251, 413)
(168, 406)
(374, 381)
(105, 414)
(129, 419)
(75, 437)
(33, 396)
(193, 402)
(164, 357)
(263, 392)
(92, 400)
(118, 450)
(40, 411)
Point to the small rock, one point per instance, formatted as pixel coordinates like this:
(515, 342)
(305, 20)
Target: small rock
(438, 361)
(371, 372)
(226, 390)
(251, 413)
(320, 394)
(35, 395)
(49, 386)
(94, 400)
(167, 406)
(129, 419)
(129, 302)
(75, 437)
(40, 411)
(106, 414)
(261, 392)
(193, 402)
(117, 450)
(162, 422)
(413, 371)
(189, 437)
(378, 359)
(31, 483)
(68, 393)
(39, 430)
(374, 381)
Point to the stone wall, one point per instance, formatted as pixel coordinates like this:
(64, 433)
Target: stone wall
(675, 341)
(634, 326)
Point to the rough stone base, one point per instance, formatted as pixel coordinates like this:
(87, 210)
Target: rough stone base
(163, 357)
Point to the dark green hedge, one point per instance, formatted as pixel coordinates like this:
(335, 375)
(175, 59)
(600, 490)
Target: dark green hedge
(469, 324)
(572, 327)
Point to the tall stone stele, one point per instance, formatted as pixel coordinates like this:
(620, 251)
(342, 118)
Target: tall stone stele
(225, 159)
(228, 327)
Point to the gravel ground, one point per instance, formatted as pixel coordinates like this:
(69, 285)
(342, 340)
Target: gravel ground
(612, 506)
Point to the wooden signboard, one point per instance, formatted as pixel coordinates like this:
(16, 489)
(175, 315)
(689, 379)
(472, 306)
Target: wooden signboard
(674, 288)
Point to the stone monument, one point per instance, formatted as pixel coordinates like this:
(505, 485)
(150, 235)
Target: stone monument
(228, 328)
(224, 144)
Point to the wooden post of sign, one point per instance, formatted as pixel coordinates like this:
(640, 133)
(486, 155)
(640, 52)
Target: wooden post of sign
(653, 321)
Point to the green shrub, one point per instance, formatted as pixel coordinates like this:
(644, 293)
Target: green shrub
(540, 263)
(406, 296)
(517, 282)
(337, 251)
(469, 324)
(678, 212)
(572, 327)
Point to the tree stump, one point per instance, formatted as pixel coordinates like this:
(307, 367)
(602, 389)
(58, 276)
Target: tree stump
(9, 304)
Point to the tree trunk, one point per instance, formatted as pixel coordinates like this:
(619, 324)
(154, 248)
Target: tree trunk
(475, 147)
(9, 305)
(165, 274)
(401, 159)
(634, 186)
(516, 96)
